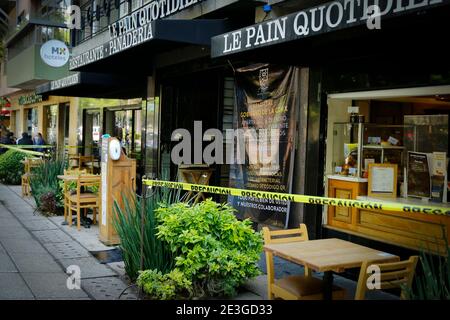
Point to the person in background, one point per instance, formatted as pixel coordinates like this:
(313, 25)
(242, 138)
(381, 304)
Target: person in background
(6, 139)
(39, 141)
(25, 140)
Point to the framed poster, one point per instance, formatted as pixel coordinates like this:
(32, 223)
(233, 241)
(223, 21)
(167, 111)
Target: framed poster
(419, 183)
(382, 180)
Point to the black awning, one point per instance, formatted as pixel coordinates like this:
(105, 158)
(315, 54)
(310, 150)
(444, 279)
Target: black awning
(327, 20)
(95, 85)
(131, 51)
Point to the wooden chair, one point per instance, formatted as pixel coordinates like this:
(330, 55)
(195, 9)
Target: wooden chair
(200, 175)
(86, 162)
(66, 191)
(296, 287)
(393, 275)
(85, 200)
(29, 164)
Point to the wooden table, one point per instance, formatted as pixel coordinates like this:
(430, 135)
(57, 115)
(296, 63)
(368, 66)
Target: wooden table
(328, 255)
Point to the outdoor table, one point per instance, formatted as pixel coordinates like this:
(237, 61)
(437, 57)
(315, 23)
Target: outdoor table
(328, 255)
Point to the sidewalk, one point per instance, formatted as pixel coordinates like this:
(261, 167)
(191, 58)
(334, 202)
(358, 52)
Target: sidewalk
(35, 252)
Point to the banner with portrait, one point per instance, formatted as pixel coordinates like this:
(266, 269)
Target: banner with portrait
(264, 123)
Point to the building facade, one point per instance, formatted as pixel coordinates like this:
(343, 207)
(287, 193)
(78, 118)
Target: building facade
(173, 63)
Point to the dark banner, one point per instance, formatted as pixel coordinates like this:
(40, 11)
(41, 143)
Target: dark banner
(264, 126)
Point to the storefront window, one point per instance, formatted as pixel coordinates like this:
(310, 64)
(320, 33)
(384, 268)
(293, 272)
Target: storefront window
(32, 121)
(127, 128)
(52, 113)
(388, 149)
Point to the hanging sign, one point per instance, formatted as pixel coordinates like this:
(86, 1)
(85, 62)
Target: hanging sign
(30, 99)
(265, 114)
(55, 53)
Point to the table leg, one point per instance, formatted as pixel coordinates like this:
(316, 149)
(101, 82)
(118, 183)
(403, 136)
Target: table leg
(328, 285)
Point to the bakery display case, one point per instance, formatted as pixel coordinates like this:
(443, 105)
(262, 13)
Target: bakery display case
(357, 147)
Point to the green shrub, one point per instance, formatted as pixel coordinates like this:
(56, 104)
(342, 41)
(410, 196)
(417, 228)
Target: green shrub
(172, 285)
(11, 167)
(127, 222)
(44, 181)
(432, 282)
(213, 249)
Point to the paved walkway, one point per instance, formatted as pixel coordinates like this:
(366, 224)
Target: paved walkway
(35, 252)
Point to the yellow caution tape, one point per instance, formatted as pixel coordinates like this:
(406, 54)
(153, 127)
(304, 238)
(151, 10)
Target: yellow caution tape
(17, 148)
(360, 204)
(87, 147)
(21, 146)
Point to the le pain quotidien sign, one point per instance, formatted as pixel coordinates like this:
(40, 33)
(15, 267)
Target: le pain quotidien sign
(65, 82)
(132, 30)
(324, 18)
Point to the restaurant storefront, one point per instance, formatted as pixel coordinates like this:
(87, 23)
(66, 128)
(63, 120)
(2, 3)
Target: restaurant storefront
(319, 59)
(49, 115)
(164, 62)
(370, 102)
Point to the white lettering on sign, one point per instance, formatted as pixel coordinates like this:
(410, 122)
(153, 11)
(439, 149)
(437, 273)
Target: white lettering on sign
(131, 39)
(330, 16)
(65, 82)
(87, 57)
(155, 10)
(132, 30)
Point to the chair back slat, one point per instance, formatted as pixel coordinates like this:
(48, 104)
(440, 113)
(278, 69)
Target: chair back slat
(76, 171)
(284, 236)
(393, 284)
(395, 275)
(88, 181)
(392, 266)
(288, 239)
(392, 275)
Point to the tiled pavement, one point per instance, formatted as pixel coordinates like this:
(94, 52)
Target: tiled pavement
(35, 252)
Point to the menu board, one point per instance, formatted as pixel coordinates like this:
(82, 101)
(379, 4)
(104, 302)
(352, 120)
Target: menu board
(419, 184)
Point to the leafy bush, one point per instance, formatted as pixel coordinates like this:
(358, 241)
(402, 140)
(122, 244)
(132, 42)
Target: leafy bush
(45, 180)
(11, 167)
(172, 285)
(127, 222)
(213, 249)
(433, 283)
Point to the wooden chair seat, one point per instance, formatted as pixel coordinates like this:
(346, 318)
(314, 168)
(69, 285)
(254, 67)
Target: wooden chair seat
(299, 285)
(303, 287)
(88, 196)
